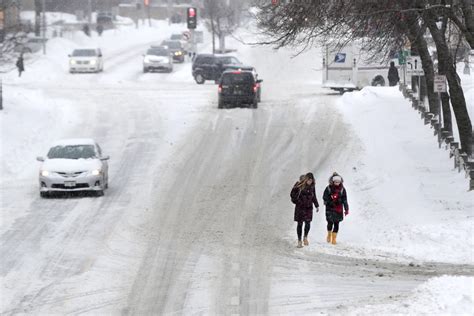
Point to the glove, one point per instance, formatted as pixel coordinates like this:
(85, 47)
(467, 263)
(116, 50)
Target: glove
(317, 209)
(346, 212)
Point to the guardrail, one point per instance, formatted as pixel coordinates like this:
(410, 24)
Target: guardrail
(445, 138)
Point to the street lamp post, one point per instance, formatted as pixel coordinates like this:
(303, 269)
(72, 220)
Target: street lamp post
(44, 26)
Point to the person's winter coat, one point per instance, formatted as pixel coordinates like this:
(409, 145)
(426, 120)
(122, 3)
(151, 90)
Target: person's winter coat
(335, 199)
(304, 201)
(393, 77)
(20, 65)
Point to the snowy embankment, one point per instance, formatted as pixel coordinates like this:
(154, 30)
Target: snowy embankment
(439, 296)
(407, 201)
(405, 193)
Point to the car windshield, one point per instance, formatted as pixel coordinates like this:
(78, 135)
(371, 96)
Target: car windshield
(84, 52)
(72, 152)
(229, 60)
(236, 78)
(176, 37)
(173, 44)
(157, 52)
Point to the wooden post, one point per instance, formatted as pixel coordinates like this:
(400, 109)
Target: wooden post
(428, 117)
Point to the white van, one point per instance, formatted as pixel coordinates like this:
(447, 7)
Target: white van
(347, 68)
(86, 60)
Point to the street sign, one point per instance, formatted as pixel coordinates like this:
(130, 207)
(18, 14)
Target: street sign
(440, 84)
(187, 35)
(414, 67)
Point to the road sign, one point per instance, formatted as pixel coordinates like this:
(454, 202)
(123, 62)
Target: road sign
(187, 35)
(440, 84)
(414, 67)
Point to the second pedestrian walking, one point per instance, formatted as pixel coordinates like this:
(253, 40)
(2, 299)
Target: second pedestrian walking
(303, 195)
(335, 199)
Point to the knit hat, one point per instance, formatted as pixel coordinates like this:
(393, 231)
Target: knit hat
(309, 175)
(337, 178)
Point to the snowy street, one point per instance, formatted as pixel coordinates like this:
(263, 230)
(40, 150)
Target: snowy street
(197, 218)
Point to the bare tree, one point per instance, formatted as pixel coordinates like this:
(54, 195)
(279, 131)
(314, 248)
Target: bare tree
(382, 26)
(222, 18)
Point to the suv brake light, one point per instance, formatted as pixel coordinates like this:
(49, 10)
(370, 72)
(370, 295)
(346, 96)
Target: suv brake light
(255, 87)
(219, 89)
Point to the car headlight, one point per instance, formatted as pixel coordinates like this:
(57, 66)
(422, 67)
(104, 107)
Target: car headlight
(93, 62)
(44, 173)
(178, 53)
(146, 60)
(166, 60)
(72, 61)
(95, 172)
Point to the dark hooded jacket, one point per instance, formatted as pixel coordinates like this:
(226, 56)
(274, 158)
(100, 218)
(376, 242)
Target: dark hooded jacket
(304, 201)
(335, 199)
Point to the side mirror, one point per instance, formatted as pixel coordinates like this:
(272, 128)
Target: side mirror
(259, 80)
(40, 158)
(105, 158)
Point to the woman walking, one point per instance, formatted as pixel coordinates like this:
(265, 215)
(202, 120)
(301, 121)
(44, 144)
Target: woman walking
(303, 195)
(335, 199)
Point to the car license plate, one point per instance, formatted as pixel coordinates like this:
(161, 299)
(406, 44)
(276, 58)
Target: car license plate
(70, 184)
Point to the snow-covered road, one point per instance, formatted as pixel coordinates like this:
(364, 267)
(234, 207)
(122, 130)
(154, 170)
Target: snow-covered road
(193, 221)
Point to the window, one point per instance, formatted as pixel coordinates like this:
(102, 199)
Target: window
(72, 152)
(84, 52)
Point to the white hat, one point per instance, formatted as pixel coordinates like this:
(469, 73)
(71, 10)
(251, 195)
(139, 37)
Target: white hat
(336, 178)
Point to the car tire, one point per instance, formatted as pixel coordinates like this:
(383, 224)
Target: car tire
(254, 105)
(199, 79)
(145, 70)
(44, 195)
(99, 193)
(220, 105)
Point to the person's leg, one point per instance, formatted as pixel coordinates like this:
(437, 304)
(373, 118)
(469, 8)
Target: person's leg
(334, 233)
(307, 226)
(299, 231)
(329, 227)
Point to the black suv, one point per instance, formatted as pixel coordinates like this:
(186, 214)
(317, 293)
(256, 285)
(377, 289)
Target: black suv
(237, 87)
(210, 67)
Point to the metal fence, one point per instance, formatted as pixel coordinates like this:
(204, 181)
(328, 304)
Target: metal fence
(445, 139)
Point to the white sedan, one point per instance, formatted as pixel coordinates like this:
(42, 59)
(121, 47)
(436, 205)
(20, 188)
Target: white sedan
(74, 165)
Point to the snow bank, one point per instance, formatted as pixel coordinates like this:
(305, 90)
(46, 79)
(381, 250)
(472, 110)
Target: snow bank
(445, 295)
(404, 193)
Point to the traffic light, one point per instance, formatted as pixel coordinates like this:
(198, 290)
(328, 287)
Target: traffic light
(192, 12)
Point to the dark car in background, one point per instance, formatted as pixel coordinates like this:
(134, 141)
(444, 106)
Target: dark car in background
(210, 67)
(177, 50)
(237, 88)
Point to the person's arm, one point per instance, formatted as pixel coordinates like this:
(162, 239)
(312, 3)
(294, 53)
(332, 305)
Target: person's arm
(326, 197)
(315, 200)
(344, 202)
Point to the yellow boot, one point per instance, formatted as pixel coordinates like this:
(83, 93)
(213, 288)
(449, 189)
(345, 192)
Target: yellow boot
(328, 238)
(333, 241)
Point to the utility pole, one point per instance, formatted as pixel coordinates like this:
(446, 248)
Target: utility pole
(44, 26)
(89, 13)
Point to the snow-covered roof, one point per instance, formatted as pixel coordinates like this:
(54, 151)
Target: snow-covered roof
(74, 141)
